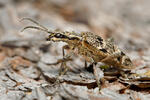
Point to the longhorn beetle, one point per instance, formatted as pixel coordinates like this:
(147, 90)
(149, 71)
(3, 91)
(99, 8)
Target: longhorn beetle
(93, 47)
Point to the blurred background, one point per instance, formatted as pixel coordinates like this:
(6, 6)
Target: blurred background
(127, 21)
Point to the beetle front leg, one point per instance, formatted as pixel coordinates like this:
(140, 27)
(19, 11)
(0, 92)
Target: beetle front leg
(64, 67)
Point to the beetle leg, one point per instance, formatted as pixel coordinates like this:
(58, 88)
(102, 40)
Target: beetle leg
(85, 64)
(115, 55)
(64, 68)
(98, 76)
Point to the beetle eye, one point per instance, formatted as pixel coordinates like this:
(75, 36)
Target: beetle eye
(58, 35)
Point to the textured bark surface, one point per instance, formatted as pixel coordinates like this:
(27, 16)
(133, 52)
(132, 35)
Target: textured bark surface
(26, 69)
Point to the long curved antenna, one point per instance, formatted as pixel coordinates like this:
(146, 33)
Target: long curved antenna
(34, 27)
(38, 28)
(35, 23)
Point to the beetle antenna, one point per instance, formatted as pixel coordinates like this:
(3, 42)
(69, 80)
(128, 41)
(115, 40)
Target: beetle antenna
(35, 22)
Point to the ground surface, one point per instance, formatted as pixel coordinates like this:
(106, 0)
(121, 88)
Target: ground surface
(25, 57)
